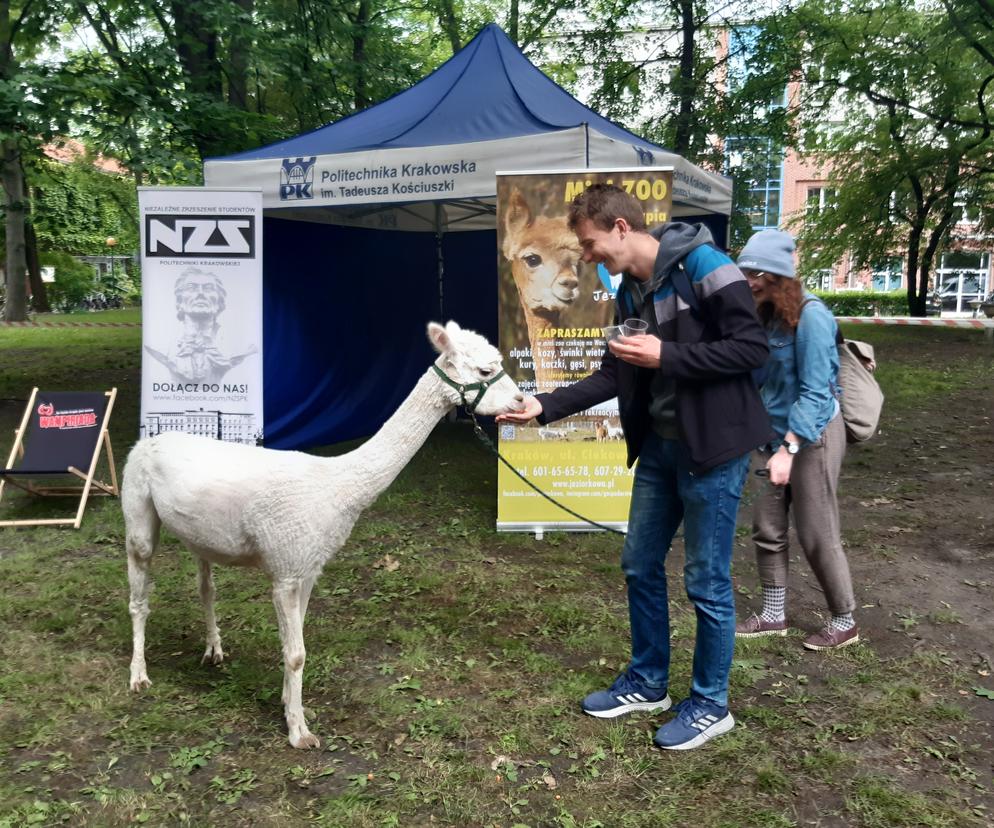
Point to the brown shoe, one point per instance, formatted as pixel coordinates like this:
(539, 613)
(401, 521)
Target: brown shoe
(831, 638)
(755, 626)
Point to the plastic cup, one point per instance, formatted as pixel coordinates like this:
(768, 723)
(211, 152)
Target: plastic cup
(612, 332)
(635, 327)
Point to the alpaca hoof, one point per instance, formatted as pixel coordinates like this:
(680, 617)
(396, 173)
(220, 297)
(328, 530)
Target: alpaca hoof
(305, 741)
(213, 655)
(139, 683)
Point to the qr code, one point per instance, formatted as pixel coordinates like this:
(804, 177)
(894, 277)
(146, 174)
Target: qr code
(507, 432)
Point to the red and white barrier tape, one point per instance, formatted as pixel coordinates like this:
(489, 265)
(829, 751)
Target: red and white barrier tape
(30, 324)
(917, 320)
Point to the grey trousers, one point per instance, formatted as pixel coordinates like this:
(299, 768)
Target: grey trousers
(812, 492)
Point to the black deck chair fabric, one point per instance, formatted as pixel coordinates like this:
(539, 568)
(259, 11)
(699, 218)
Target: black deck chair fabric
(61, 433)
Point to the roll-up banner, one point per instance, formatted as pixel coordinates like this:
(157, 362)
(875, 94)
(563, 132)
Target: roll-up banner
(201, 312)
(552, 310)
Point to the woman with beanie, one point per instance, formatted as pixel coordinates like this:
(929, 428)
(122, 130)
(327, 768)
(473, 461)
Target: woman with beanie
(800, 393)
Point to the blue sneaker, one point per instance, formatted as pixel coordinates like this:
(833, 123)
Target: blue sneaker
(695, 722)
(626, 695)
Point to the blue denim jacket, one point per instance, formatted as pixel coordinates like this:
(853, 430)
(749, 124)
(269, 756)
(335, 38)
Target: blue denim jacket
(800, 391)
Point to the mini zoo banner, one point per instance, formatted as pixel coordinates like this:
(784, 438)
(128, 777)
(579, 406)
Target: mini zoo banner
(201, 312)
(552, 310)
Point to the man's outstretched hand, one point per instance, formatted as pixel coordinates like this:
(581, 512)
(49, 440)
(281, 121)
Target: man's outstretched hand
(531, 408)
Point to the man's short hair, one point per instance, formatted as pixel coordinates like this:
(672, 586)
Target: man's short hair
(603, 204)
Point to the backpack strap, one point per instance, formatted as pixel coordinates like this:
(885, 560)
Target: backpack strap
(685, 290)
(625, 303)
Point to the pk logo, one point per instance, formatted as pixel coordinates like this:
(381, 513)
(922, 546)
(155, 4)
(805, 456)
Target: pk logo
(297, 178)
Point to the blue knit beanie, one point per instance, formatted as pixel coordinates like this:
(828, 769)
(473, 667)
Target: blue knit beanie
(771, 251)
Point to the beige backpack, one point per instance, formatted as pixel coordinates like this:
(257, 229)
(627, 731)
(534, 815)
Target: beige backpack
(862, 400)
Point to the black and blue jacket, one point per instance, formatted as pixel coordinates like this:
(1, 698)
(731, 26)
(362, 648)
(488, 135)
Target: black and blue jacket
(708, 352)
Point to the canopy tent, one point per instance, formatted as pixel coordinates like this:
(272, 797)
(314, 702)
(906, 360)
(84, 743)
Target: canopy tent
(342, 286)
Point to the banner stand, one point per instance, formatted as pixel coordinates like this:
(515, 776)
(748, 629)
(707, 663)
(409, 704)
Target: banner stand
(202, 312)
(552, 312)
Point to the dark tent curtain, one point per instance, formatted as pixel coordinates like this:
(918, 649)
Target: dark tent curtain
(349, 308)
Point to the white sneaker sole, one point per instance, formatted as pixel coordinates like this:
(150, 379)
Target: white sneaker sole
(632, 707)
(719, 727)
(853, 640)
(760, 634)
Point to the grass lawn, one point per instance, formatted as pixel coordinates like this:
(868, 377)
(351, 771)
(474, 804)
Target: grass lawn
(444, 680)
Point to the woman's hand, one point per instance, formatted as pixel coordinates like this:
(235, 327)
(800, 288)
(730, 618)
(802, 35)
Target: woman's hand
(779, 466)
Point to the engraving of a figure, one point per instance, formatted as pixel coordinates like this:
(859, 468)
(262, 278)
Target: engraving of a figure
(197, 356)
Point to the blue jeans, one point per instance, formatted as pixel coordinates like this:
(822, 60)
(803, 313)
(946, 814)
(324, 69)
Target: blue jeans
(664, 493)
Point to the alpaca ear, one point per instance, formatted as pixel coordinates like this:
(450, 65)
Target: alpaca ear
(517, 217)
(439, 337)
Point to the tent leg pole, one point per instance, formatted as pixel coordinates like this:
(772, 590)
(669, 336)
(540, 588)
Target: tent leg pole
(440, 263)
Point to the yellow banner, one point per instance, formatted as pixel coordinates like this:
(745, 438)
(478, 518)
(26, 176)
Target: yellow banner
(552, 310)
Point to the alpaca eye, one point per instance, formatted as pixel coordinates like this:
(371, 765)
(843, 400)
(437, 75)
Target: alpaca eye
(533, 260)
(486, 372)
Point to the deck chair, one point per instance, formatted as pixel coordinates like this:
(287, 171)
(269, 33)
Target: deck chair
(61, 434)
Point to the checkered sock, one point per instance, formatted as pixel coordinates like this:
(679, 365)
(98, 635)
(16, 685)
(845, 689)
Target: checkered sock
(774, 601)
(842, 622)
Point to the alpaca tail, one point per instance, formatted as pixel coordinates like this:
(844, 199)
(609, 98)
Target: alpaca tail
(141, 520)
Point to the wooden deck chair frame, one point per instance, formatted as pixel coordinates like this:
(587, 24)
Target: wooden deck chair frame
(90, 485)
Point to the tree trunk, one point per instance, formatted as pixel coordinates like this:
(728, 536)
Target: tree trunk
(685, 83)
(39, 295)
(449, 23)
(512, 22)
(359, 34)
(16, 308)
(196, 48)
(917, 293)
(238, 57)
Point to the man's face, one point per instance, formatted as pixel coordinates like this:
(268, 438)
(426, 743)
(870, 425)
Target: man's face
(601, 246)
(200, 295)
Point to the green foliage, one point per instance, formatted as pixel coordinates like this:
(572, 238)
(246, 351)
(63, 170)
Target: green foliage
(890, 97)
(865, 302)
(74, 280)
(75, 208)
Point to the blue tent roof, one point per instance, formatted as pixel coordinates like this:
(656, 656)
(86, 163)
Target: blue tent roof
(487, 91)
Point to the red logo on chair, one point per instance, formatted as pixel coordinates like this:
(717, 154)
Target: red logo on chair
(48, 417)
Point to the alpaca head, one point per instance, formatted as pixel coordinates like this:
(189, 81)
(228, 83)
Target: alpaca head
(544, 255)
(467, 358)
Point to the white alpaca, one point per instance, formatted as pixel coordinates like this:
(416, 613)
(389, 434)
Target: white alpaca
(285, 512)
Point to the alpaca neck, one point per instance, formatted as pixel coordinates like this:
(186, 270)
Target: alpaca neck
(379, 460)
(544, 349)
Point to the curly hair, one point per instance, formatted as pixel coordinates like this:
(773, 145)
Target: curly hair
(783, 302)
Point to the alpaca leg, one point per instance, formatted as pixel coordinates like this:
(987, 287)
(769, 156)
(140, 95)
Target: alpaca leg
(305, 597)
(205, 578)
(286, 599)
(141, 546)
